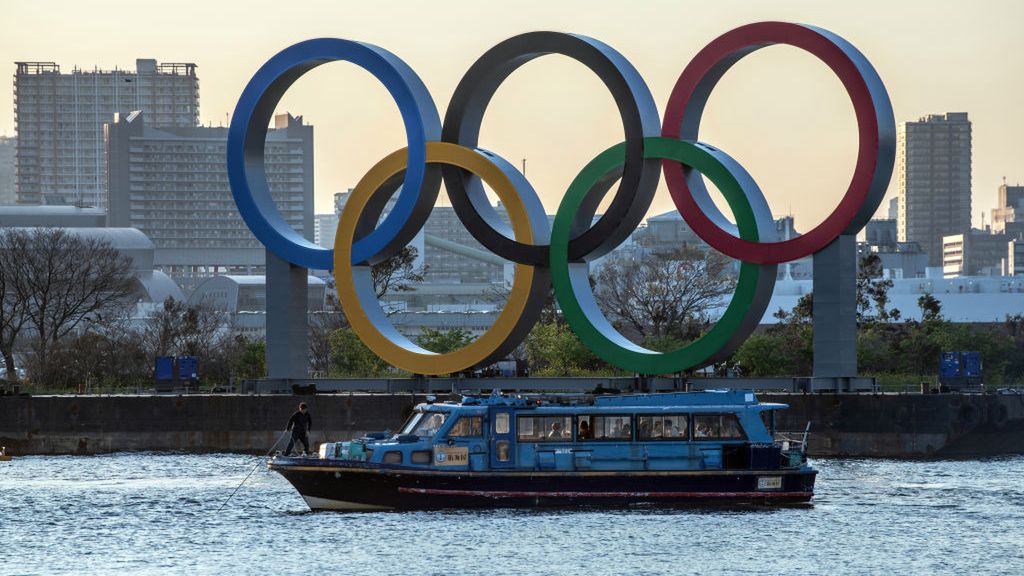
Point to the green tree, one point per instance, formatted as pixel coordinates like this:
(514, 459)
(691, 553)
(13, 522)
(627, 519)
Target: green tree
(443, 341)
(873, 292)
(252, 363)
(555, 350)
(351, 358)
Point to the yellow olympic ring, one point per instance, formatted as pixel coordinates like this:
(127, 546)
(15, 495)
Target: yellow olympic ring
(355, 284)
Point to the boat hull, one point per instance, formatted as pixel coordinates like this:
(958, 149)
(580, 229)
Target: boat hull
(346, 485)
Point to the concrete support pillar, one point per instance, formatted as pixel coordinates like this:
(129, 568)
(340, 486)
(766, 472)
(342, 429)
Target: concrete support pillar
(287, 326)
(835, 309)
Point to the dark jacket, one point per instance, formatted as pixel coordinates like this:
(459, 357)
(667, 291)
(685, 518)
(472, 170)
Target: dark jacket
(300, 423)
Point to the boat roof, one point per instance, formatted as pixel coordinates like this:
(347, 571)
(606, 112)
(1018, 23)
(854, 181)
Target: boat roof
(703, 401)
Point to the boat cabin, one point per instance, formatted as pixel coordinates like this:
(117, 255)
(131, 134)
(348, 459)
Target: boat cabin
(712, 430)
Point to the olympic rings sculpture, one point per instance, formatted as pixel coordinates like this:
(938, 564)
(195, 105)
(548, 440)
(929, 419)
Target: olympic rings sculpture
(559, 257)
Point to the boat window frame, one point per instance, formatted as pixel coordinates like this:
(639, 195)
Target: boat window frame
(429, 415)
(743, 436)
(544, 439)
(591, 415)
(411, 422)
(687, 430)
(459, 418)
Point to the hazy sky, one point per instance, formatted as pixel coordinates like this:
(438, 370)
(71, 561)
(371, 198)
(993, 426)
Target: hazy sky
(780, 112)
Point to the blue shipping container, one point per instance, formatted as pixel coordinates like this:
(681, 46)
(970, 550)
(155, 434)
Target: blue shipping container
(971, 363)
(188, 367)
(949, 365)
(165, 368)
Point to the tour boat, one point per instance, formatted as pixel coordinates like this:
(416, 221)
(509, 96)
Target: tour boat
(520, 450)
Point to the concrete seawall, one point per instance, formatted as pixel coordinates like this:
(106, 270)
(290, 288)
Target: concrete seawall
(864, 425)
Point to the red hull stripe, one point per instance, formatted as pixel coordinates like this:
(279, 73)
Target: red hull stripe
(518, 494)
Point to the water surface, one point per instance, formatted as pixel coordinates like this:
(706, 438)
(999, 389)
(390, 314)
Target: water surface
(157, 514)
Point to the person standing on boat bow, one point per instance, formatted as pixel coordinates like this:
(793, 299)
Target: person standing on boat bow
(300, 425)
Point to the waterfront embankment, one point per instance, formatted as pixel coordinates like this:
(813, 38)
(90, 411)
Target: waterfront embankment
(843, 425)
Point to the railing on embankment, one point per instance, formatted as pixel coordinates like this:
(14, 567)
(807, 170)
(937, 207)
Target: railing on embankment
(856, 425)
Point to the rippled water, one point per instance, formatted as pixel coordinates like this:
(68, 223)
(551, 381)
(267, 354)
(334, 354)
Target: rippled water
(157, 514)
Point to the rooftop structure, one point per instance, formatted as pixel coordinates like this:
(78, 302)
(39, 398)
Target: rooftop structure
(52, 216)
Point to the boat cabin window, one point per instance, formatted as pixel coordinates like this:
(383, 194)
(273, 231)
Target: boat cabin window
(467, 426)
(717, 427)
(544, 428)
(411, 423)
(662, 427)
(614, 427)
(501, 423)
(427, 426)
(502, 450)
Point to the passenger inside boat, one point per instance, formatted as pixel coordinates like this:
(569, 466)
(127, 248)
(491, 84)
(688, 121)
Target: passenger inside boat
(428, 427)
(556, 431)
(584, 431)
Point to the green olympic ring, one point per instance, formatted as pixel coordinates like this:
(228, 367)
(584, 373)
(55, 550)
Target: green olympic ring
(571, 279)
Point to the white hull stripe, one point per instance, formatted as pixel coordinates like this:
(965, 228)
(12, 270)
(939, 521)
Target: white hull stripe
(315, 503)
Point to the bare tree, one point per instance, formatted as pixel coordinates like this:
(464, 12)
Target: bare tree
(179, 329)
(64, 282)
(13, 309)
(663, 296)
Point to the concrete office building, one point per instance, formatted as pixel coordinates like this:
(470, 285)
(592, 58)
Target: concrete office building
(977, 253)
(172, 184)
(60, 117)
(881, 233)
(8, 146)
(934, 170)
(1014, 258)
(245, 299)
(1010, 210)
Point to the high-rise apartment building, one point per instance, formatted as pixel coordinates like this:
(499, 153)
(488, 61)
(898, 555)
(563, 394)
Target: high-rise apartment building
(60, 117)
(934, 166)
(7, 155)
(172, 184)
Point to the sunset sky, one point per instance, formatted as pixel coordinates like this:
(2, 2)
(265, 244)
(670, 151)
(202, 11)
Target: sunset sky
(780, 112)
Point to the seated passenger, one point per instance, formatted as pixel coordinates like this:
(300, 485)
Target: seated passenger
(659, 431)
(584, 431)
(617, 429)
(702, 431)
(431, 426)
(556, 431)
(644, 430)
(627, 431)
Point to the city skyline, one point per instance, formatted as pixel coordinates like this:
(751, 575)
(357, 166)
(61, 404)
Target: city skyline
(933, 57)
